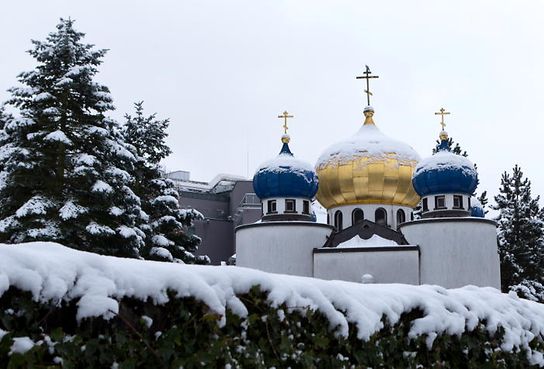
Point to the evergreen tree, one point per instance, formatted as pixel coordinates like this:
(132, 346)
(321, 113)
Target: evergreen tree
(520, 236)
(167, 227)
(483, 201)
(63, 157)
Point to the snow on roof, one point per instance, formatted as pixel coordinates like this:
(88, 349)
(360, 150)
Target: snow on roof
(285, 163)
(369, 142)
(52, 272)
(445, 160)
(373, 241)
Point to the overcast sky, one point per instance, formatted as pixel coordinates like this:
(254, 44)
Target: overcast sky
(223, 70)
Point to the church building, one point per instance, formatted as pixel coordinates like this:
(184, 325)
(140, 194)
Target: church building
(371, 186)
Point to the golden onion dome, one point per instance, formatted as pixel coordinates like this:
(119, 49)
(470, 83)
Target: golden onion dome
(368, 168)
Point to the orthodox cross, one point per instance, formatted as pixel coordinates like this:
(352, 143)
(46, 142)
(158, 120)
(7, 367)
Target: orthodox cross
(285, 115)
(367, 75)
(442, 112)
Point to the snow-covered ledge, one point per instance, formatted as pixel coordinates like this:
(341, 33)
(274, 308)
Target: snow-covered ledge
(52, 272)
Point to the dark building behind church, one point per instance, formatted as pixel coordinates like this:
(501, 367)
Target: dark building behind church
(226, 202)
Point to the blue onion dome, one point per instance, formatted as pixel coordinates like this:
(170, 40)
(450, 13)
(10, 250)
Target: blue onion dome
(285, 176)
(477, 209)
(477, 212)
(445, 172)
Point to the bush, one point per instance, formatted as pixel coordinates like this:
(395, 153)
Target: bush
(184, 333)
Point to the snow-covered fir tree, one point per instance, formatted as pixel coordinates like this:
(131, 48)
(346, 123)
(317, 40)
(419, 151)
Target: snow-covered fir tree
(168, 227)
(64, 174)
(520, 236)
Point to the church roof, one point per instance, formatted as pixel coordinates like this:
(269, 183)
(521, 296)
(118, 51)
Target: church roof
(366, 230)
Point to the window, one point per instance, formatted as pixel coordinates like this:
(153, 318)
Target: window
(338, 220)
(328, 219)
(290, 206)
(469, 204)
(440, 202)
(381, 216)
(457, 202)
(357, 216)
(401, 217)
(272, 206)
(306, 207)
(425, 205)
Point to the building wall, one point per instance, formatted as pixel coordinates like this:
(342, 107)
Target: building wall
(280, 247)
(399, 264)
(222, 213)
(456, 252)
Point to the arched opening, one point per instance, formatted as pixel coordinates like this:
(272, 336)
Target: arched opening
(338, 220)
(401, 217)
(357, 216)
(381, 216)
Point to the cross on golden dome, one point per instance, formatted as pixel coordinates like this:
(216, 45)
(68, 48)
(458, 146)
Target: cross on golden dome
(285, 115)
(367, 75)
(442, 112)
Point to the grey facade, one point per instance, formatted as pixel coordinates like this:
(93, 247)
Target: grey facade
(226, 202)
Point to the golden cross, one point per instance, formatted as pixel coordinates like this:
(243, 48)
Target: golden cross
(442, 112)
(285, 115)
(367, 76)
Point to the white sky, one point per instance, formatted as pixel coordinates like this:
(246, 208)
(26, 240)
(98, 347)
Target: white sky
(223, 70)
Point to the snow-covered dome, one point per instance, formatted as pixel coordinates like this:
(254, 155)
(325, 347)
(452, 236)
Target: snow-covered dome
(445, 172)
(368, 168)
(285, 176)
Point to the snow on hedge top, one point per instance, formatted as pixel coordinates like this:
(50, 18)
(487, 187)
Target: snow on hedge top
(446, 160)
(52, 272)
(368, 142)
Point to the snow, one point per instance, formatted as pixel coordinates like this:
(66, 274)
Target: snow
(123, 175)
(285, 163)
(369, 142)
(64, 81)
(126, 232)
(42, 96)
(52, 272)
(75, 71)
(8, 222)
(160, 240)
(58, 136)
(86, 159)
(373, 241)
(71, 210)
(147, 320)
(165, 199)
(161, 252)
(37, 205)
(97, 229)
(102, 187)
(116, 211)
(446, 160)
(21, 345)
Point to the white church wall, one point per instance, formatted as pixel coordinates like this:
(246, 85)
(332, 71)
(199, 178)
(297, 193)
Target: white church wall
(280, 247)
(388, 265)
(456, 251)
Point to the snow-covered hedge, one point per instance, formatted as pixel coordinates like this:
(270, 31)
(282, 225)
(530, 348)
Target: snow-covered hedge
(65, 308)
